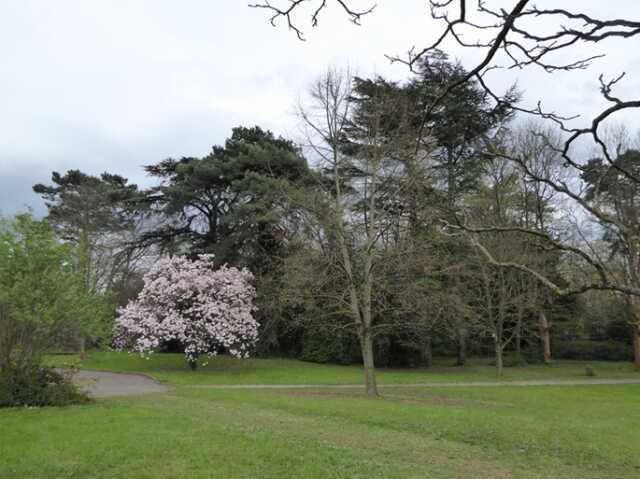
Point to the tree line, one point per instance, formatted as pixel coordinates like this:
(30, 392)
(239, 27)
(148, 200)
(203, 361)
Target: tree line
(392, 230)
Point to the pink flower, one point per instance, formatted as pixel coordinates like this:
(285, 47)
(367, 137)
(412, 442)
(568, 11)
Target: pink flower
(203, 308)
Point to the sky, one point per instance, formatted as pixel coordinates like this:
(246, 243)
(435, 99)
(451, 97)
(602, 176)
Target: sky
(115, 85)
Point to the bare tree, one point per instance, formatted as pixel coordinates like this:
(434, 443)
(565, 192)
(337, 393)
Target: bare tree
(519, 39)
(327, 121)
(526, 36)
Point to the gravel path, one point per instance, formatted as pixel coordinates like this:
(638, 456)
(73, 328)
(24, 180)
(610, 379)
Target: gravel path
(532, 382)
(102, 384)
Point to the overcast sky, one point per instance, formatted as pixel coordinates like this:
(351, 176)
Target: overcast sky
(112, 85)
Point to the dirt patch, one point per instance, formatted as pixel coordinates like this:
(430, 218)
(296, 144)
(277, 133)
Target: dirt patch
(442, 401)
(437, 400)
(320, 394)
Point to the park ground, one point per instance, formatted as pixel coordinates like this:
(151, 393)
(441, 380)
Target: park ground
(506, 431)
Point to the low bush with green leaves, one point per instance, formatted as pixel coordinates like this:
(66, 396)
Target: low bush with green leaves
(36, 385)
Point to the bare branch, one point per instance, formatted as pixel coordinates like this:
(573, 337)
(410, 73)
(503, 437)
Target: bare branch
(355, 16)
(601, 286)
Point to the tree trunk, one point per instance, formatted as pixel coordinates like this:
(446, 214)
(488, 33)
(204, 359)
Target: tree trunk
(518, 334)
(451, 182)
(636, 346)
(426, 353)
(82, 346)
(5, 339)
(366, 345)
(499, 360)
(5, 358)
(634, 303)
(499, 323)
(193, 363)
(545, 335)
(462, 346)
(519, 344)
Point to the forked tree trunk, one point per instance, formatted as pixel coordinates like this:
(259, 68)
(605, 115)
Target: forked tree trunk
(545, 335)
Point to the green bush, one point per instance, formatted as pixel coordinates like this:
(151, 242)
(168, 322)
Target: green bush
(593, 350)
(36, 385)
(510, 359)
(323, 344)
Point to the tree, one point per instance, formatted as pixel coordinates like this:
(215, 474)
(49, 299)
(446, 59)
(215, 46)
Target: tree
(493, 219)
(458, 124)
(419, 302)
(42, 298)
(327, 120)
(232, 203)
(227, 203)
(613, 189)
(457, 127)
(347, 130)
(206, 310)
(95, 214)
(534, 144)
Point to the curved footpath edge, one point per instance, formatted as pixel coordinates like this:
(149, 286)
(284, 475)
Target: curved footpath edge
(102, 384)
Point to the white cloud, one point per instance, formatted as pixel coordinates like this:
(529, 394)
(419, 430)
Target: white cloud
(114, 85)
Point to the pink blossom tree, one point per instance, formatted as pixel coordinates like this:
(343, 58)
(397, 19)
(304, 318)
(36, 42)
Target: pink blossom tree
(205, 309)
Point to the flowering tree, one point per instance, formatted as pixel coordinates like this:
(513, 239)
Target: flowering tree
(203, 308)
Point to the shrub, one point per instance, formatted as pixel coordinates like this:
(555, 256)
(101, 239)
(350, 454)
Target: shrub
(510, 359)
(322, 344)
(594, 350)
(36, 385)
(43, 299)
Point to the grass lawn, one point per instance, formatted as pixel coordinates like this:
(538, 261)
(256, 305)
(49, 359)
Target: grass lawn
(566, 432)
(541, 432)
(172, 368)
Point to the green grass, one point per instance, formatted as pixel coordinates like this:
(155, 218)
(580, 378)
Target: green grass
(172, 368)
(585, 432)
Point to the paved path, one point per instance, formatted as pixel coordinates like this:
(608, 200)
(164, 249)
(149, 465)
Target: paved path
(532, 382)
(102, 384)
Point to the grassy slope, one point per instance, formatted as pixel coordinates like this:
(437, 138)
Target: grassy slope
(584, 432)
(172, 368)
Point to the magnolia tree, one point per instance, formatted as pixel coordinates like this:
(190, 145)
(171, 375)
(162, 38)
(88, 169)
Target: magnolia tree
(205, 309)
